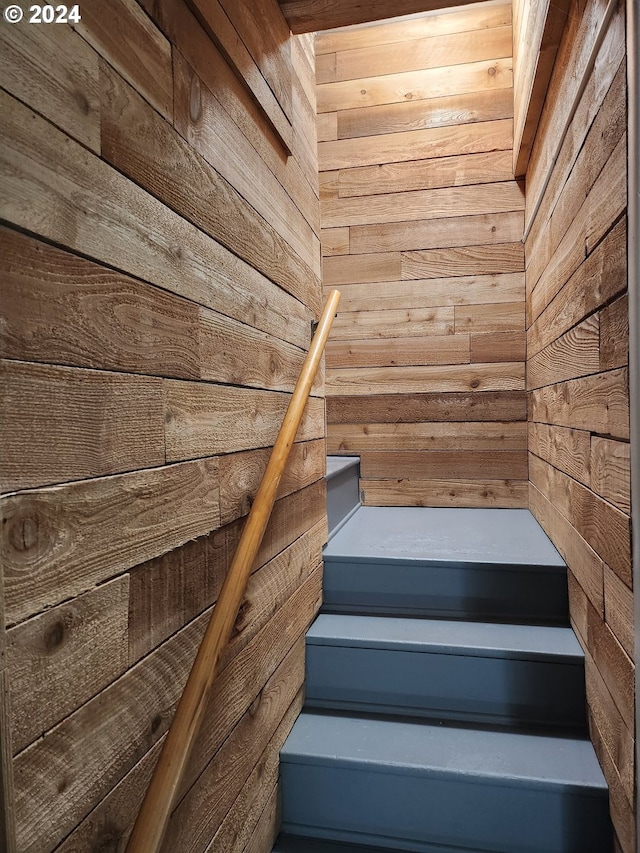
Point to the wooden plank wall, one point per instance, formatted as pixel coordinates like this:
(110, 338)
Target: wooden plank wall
(577, 360)
(422, 225)
(160, 267)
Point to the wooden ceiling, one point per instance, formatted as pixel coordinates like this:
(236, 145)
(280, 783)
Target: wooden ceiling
(304, 16)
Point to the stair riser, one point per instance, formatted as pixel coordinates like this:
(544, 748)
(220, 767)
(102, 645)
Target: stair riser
(429, 815)
(498, 691)
(480, 592)
(343, 496)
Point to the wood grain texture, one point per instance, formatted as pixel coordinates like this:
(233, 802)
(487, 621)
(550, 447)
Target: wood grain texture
(242, 50)
(610, 471)
(471, 18)
(206, 126)
(138, 142)
(311, 15)
(618, 609)
(56, 71)
(424, 174)
(423, 204)
(241, 473)
(427, 436)
(225, 104)
(601, 525)
(576, 353)
(445, 464)
(410, 322)
(129, 41)
(60, 542)
(423, 144)
(174, 254)
(455, 231)
(582, 560)
(60, 659)
(59, 308)
(64, 424)
(446, 111)
(155, 685)
(415, 85)
(504, 494)
(428, 406)
(463, 261)
(599, 403)
(203, 419)
(498, 346)
(409, 380)
(433, 292)
(394, 352)
(418, 54)
(567, 449)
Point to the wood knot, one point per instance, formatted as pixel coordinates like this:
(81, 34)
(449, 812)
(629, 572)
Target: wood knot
(156, 723)
(54, 637)
(195, 99)
(23, 532)
(493, 71)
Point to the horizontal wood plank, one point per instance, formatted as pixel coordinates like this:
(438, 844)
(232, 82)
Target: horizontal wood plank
(56, 72)
(389, 352)
(582, 560)
(418, 54)
(464, 169)
(411, 322)
(576, 353)
(599, 403)
(605, 528)
(415, 85)
(498, 346)
(482, 230)
(350, 269)
(60, 659)
(424, 406)
(445, 464)
(63, 423)
(62, 309)
(470, 18)
(356, 438)
(610, 471)
(173, 254)
(423, 204)
(203, 419)
(567, 449)
(396, 380)
(618, 608)
(500, 317)
(506, 494)
(137, 141)
(433, 292)
(429, 143)
(463, 261)
(446, 111)
(129, 41)
(62, 541)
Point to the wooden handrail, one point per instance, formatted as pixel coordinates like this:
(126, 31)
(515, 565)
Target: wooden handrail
(151, 823)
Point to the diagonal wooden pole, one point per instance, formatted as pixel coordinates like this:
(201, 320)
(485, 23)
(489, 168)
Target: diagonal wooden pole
(150, 826)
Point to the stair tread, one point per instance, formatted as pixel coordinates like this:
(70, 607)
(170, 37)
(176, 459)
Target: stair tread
(410, 748)
(442, 536)
(438, 636)
(336, 464)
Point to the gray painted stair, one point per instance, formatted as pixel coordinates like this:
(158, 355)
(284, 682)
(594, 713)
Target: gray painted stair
(419, 787)
(483, 564)
(509, 675)
(445, 703)
(343, 497)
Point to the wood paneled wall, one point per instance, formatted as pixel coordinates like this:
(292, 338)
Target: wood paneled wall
(422, 226)
(577, 360)
(160, 266)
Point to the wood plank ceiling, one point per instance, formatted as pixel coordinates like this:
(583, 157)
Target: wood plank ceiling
(304, 16)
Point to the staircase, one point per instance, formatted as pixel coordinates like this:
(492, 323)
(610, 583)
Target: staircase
(445, 706)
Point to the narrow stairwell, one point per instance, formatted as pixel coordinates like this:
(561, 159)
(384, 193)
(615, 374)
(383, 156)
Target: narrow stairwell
(445, 705)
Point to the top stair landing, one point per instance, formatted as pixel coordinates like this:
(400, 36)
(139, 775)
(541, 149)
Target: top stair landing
(478, 564)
